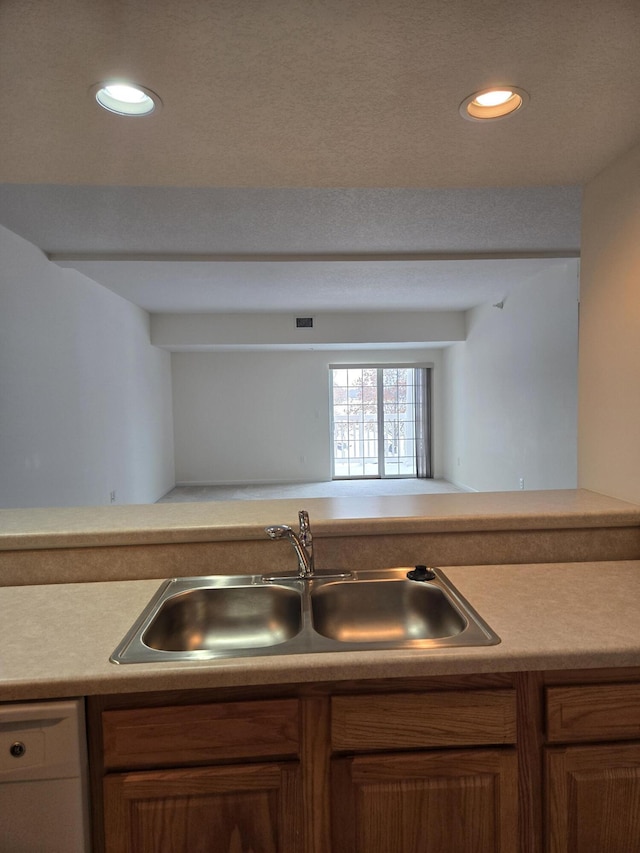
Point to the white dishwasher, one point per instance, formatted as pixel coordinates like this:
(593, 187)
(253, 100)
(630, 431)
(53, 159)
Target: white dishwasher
(43, 778)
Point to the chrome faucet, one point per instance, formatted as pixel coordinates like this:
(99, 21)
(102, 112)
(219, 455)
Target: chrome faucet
(302, 543)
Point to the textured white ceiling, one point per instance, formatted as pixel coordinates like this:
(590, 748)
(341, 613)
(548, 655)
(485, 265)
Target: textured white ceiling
(107, 221)
(177, 250)
(329, 93)
(302, 129)
(311, 286)
(190, 250)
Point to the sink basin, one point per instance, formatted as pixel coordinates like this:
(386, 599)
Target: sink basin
(245, 617)
(220, 616)
(374, 611)
(228, 616)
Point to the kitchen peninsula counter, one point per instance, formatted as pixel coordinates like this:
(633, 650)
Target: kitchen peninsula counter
(147, 524)
(92, 544)
(55, 640)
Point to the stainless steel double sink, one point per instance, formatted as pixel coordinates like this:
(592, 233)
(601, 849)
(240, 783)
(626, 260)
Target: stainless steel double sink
(225, 616)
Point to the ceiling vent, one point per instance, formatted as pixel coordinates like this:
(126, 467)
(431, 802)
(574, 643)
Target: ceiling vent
(304, 322)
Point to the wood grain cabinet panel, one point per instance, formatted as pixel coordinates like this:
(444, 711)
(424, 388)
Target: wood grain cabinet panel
(457, 801)
(435, 765)
(423, 720)
(593, 712)
(198, 734)
(593, 799)
(254, 808)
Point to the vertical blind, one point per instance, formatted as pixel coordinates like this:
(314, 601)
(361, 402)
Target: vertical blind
(422, 391)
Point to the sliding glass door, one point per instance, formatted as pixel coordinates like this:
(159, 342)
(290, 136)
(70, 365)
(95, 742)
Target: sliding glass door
(398, 422)
(379, 421)
(354, 407)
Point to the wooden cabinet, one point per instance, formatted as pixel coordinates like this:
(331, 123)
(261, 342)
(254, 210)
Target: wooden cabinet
(593, 799)
(322, 772)
(541, 762)
(369, 723)
(212, 776)
(582, 713)
(449, 801)
(255, 807)
(593, 791)
(441, 799)
(178, 735)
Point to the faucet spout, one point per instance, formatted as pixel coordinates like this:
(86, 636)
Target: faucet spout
(302, 543)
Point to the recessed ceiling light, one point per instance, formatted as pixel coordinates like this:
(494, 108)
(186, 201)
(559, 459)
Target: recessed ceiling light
(497, 102)
(126, 99)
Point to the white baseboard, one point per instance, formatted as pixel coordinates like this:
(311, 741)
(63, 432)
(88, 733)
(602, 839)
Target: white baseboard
(231, 483)
(459, 485)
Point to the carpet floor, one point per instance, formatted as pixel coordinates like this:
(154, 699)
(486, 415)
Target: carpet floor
(327, 489)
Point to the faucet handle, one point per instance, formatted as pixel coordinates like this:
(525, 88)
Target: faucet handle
(306, 539)
(303, 518)
(305, 528)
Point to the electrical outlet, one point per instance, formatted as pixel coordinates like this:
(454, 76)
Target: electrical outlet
(522, 482)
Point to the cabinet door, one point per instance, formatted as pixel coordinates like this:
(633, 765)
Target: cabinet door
(449, 801)
(593, 799)
(254, 808)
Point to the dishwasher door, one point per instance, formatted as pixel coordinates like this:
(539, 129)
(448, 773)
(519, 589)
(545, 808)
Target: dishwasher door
(43, 778)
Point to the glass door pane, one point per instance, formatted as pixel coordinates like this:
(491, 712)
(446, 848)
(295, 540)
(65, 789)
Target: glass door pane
(355, 422)
(399, 457)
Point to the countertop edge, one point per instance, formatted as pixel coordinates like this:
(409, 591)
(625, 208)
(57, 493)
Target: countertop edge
(208, 677)
(154, 524)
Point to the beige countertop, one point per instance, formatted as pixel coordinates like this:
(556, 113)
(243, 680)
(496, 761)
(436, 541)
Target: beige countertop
(77, 527)
(55, 640)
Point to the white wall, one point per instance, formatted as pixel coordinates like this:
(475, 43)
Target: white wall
(511, 389)
(263, 417)
(85, 400)
(196, 331)
(609, 386)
